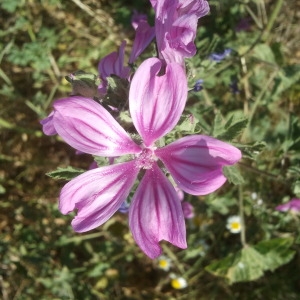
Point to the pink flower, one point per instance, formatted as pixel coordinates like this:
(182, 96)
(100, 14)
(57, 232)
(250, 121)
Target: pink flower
(144, 34)
(293, 206)
(176, 26)
(195, 162)
(112, 64)
(188, 210)
(48, 126)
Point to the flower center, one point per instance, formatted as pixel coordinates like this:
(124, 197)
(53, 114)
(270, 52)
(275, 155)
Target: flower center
(235, 225)
(146, 158)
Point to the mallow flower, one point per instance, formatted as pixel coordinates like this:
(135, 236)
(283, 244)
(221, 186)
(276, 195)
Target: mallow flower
(144, 34)
(112, 64)
(176, 27)
(195, 162)
(292, 206)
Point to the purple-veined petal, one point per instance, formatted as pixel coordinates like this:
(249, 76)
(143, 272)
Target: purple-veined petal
(97, 194)
(143, 36)
(195, 162)
(48, 126)
(176, 26)
(113, 64)
(137, 18)
(198, 7)
(85, 125)
(155, 214)
(156, 102)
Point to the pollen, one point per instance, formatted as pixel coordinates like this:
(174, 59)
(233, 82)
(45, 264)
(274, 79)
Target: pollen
(146, 158)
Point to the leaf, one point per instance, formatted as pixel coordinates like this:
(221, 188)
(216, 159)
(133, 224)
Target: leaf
(250, 267)
(220, 205)
(188, 125)
(264, 53)
(218, 127)
(287, 77)
(276, 252)
(233, 175)
(221, 267)
(232, 128)
(252, 261)
(251, 150)
(67, 173)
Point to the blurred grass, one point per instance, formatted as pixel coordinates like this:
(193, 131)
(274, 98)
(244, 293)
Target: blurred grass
(40, 256)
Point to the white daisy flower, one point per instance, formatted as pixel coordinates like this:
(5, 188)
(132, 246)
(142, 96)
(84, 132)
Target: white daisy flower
(164, 263)
(178, 283)
(234, 224)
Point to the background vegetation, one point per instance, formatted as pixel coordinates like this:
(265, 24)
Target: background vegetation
(256, 88)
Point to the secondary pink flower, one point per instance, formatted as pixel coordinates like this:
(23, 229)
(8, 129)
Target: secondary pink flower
(176, 26)
(144, 34)
(293, 205)
(195, 162)
(48, 127)
(188, 210)
(112, 64)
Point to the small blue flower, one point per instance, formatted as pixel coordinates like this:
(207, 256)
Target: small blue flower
(198, 86)
(217, 57)
(124, 208)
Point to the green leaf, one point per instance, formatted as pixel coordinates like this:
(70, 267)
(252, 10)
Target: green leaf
(188, 125)
(67, 173)
(218, 127)
(264, 53)
(251, 150)
(252, 261)
(276, 252)
(287, 76)
(249, 267)
(232, 128)
(220, 205)
(233, 175)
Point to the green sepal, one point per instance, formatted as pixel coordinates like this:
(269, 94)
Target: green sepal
(67, 173)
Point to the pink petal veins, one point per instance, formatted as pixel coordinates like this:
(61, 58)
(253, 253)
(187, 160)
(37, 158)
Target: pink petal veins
(155, 214)
(195, 162)
(86, 126)
(97, 194)
(48, 126)
(157, 102)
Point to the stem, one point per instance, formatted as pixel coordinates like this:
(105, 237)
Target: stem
(170, 254)
(241, 211)
(246, 133)
(272, 19)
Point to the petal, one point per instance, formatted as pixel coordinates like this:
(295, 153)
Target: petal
(199, 7)
(48, 126)
(113, 64)
(195, 162)
(143, 36)
(85, 125)
(176, 26)
(155, 214)
(156, 102)
(188, 210)
(97, 194)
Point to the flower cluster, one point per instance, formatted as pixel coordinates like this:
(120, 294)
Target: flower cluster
(157, 97)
